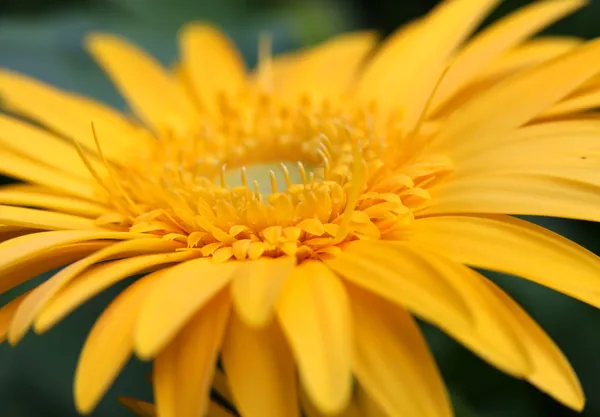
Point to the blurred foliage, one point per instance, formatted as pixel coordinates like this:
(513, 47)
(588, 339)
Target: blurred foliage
(43, 38)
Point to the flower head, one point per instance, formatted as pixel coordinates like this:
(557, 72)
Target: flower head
(290, 220)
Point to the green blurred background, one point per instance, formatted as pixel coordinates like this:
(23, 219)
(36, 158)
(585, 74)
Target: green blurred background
(43, 38)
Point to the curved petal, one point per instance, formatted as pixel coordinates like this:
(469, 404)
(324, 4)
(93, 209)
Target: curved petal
(516, 247)
(547, 83)
(211, 63)
(47, 261)
(391, 359)
(45, 292)
(72, 116)
(23, 168)
(260, 370)
(499, 37)
(183, 371)
(256, 286)
(552, 372)
(34, 197)
(558, 192)
(422, 59)
(7, 312)
(98, 278)
(325, 71)
(175, 300)
(405, 278)
(477, 325)
(109, 345)
(164, 105)
(314, 312)
(45, 220)
(44, 147)
(23, 249)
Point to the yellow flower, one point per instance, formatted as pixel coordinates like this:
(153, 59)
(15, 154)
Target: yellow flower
(290, 220)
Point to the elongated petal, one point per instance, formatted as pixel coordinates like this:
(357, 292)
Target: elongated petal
(314, 313)
(552, 372)
(532, 52)
(516, 247)
(145, 409)
(256, 286)
(392, 361)
(165, 105)
(548, 83)
(44, 147)
(496, 39)
(309, 410)
(410, 78)
(554, 192)
(139, 408)
(47, 261)
(72, 116)
(33, 197)
(325, 71)
(405, 278)
(45, 220)
(183, 371)
(23, 249)
(44, 293)
(173, 302)
(98, 278)
(582, 102)
(23, 168)
(7, 312)
(260, 370)
(109, 345)
(211, 63)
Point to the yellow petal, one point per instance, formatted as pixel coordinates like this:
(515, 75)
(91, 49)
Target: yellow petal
(45, 292)
(44, 147)
(391, 359)
(491, 337)
(325, 71)
(98, 278)
(309, 410)
(552, 372)
(22, 249)
(367, 405)
(151, 92)
(532, 52)
(42, 219)
(314, 313)
(551, 192)
(109, 345)
(260, 370)
(139, 408)
(516, 247)
(409, 79)
(72, 116)
(211, 63)
(183, 371)
(587, 101)
(47, 261)
(547, 84)
(33, 197)
(7, 312)
(499, 37)
(405, 278)
(221, 386)
(175, 300)
(20, 167)
(216, 410)
(256, 286)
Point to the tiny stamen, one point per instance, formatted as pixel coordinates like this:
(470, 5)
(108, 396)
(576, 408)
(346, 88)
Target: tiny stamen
(244, 177)
(302, 173)
(273, 182)
(286, 175)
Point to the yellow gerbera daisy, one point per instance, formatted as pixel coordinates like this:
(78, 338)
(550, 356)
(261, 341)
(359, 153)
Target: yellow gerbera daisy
(291, 219)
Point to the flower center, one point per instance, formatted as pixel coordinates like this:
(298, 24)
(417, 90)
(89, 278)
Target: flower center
(261, 177)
